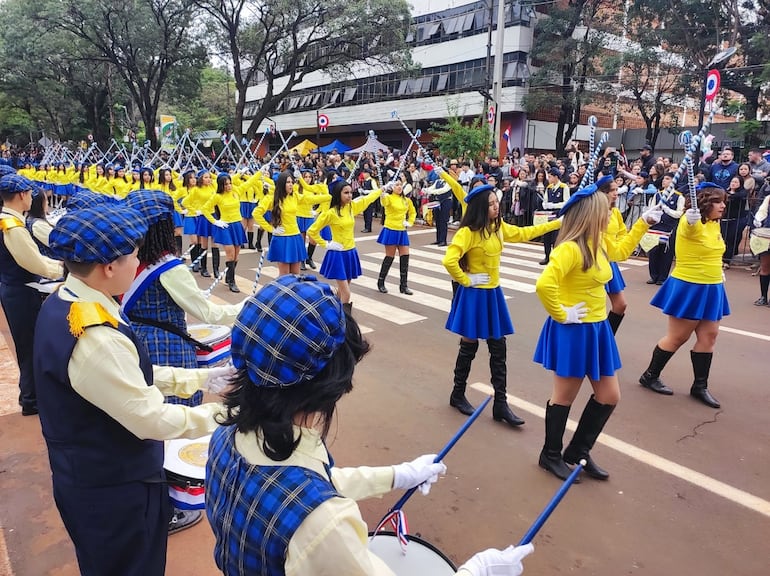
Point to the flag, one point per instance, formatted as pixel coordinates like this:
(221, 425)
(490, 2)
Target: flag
(167, 127)
(507, 138)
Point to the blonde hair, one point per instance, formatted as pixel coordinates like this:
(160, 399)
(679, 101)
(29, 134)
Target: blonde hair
(584, 224)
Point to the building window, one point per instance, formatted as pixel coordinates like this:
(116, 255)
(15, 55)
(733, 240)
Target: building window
(349, 94)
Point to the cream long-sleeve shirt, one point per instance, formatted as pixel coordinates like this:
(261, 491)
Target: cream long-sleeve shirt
(104, 370)
(332, 541)
(22, 247)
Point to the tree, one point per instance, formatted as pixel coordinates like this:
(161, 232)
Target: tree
(566, 50)
(210, 107)
(143, 41)
(458, 138)
(279, 43)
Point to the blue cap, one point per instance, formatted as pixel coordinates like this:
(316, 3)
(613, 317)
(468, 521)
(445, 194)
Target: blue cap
(84, 198)
(287, 332)
(97, 235)
(5, 169)
(478, 190)
(16, 184)
(202, 172)
(585, 192)
(154, 205)
(703, 185)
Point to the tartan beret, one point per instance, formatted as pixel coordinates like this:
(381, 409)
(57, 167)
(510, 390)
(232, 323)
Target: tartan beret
(5, 169)
(16, 184)
(154, 205)
(97, 235)
(287, 332)
(84, 198)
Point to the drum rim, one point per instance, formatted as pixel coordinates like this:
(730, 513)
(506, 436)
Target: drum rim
(419, 541)
(764, 234)
(182, 481)
(172, 462)
(218, 332)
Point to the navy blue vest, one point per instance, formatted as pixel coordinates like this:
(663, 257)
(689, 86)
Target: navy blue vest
(86, 446)
(667, 223)
(11, 273)
(44, 250)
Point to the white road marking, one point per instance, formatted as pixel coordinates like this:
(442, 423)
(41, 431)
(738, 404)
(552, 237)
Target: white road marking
(745, 333)
(698, 479)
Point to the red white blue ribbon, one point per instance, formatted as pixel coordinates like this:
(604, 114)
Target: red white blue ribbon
(397, 520)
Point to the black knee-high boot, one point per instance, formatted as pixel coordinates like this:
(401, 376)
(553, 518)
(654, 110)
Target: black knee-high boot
(403, 262)
(465, 357)
(650, 379)
(615, 320)
(215, 261)
(556, 417)
(260, 233)
(194, 253)
(384, 269)
(592, 421)
(701, 366)
(230, 276)
(310, 252)
(501, 412)
(205, 266)
(348, 307)
(178, 243)
(250, 237)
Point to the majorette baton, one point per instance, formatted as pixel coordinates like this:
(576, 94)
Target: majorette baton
(527, 538)
(592, 160)
(424, 152)
(592, 122)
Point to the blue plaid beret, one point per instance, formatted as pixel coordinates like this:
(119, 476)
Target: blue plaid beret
(5, 169)
(84, 198)
(99, 234)
(16, 184)
(154, 205)
(287, 332)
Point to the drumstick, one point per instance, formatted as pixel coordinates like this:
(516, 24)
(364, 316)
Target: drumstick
(538, 524)
(445, 450)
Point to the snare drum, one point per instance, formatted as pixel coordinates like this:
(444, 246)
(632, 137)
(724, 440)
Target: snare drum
(431, 205)
(420, 559)
(218, 337)
(652, 238)
(759, 241)
(543, 217)
(185, 465)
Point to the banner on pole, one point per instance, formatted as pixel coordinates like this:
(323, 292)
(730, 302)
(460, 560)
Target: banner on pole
(167, 128)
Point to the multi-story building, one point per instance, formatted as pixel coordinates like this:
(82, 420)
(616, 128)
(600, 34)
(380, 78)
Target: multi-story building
(453, 43)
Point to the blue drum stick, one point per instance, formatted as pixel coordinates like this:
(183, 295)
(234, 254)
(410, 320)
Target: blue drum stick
(535, 528)
(445, 450)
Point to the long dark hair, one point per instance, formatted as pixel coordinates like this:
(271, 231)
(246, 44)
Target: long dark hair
(158, 241)
(476, 216)
(222, 179)
(273, 410)
(186, 179)
(336, 191)
(37, 210)
(279, 195)
(162, 178)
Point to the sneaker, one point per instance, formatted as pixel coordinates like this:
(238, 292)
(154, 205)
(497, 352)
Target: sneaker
(761, 301)
(310, 263)
(28, 410)
(183, 519)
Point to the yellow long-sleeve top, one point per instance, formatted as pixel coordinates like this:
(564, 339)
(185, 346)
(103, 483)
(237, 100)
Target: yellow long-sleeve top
(251, 188)
(301, 187)
(397, 209)
(121, 187)
(177, 196)
(96, 183)
(456, 187)
(482, 252)
(616, 228)
(289, 209)
(229, 204)
(342, 223)
(563, 282)
(699, 250)
(197, 197)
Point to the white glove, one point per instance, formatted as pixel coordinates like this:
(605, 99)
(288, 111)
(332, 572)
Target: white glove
(576, 313)
(314, 214)
(278, 231)
(493, 562)
(219, 378)
(757, 223)
(692, 216)
(221, 224)
(652, 215)
(198, 213)
(334, 246)
(407, 224)
(388, 187)
(478, 279)
(547, 206)
(420, 472)
(297, 174)
(184, 212)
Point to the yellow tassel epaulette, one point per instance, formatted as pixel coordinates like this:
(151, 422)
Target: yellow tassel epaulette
(85, 314)
(8, 223)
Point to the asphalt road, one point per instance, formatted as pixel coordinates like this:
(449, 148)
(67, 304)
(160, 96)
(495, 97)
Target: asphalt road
(689, 491)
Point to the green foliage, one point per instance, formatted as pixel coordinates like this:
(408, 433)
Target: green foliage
(209, 107)
(458, 138)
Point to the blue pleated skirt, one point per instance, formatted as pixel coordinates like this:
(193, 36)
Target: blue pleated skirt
(616, 283)
(190, 225)
(304, 223)
(203, 228)
(233, 235)
(287, 249)
(692, 301)
(390, 237)
(578, 350)
(479, 313)
(341, 264)
(247, 209)
(178, 219)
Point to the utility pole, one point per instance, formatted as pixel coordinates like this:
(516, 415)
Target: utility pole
(487, 69)
(498, 83)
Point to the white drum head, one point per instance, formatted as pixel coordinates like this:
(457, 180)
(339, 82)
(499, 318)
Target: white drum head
(187, 457)
(421, 558)
(208, 333)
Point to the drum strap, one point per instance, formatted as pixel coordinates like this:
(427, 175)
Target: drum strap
(168, 327)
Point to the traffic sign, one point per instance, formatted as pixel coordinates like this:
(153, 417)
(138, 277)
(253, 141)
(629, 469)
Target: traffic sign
(713, 80)
(323, 122)
(491, 114)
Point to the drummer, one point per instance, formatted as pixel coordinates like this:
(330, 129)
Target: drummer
(101, 400)
(554, 198)
(762, 221)
(275, 500)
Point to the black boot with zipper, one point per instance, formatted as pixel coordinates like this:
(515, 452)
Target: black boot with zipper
(592, 422)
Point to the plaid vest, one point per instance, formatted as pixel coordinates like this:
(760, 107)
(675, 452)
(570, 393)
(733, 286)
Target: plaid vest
(255, 510)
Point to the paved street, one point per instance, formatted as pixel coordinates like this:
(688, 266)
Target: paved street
(689, 492)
